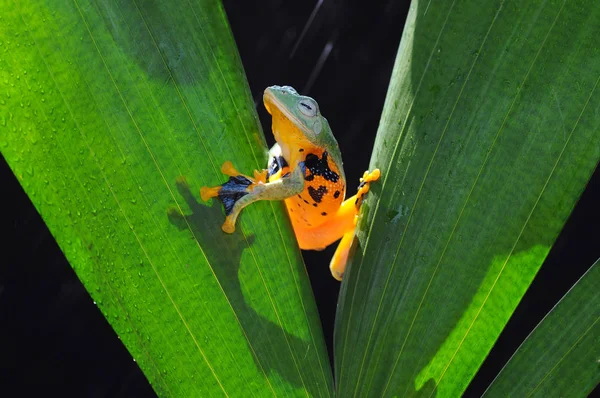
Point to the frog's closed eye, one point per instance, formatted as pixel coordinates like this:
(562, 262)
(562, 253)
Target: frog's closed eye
(308, 107)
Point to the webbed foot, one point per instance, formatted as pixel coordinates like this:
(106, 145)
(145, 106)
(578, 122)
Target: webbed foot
(230, 192)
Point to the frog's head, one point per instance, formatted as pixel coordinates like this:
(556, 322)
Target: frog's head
(303, 112)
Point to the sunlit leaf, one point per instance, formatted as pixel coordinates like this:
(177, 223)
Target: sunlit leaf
(561, 357)
(112, 115)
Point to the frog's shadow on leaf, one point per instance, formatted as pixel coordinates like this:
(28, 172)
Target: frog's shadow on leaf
(223, 252)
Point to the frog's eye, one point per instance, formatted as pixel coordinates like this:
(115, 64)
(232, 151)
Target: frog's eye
(308, 107)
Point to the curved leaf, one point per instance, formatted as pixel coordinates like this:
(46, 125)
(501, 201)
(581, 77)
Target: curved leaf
(561, 356)
(489, 134)
(112, 115)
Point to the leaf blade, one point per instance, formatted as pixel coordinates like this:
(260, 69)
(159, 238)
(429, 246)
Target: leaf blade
(556, 356)
(426, 305)
(118, 102)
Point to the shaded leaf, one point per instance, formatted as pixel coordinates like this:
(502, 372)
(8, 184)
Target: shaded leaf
(489, 134)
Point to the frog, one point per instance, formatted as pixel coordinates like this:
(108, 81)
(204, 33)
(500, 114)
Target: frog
(305, 170)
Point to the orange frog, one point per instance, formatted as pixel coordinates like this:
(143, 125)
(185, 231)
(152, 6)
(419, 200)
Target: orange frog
(305, 170)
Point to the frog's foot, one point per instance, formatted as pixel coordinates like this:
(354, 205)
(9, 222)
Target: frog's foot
(229, 194)
(240, 191)
(365, 185)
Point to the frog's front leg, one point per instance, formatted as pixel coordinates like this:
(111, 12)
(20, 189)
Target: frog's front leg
(240, 191)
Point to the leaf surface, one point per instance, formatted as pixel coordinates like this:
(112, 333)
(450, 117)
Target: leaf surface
(561, 356)
(489, 134)
(112, 115)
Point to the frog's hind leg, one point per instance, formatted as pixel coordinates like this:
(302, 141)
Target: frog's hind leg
(337, 266)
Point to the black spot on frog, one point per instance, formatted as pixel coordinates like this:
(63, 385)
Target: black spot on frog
(317, 194)
(319, 167)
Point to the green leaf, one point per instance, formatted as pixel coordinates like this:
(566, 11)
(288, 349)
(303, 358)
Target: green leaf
(112, 115)
(489, 134)
(561, 357)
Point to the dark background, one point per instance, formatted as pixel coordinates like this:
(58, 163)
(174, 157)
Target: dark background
(53, 339)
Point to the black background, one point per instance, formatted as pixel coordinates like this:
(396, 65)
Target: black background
(53, 339)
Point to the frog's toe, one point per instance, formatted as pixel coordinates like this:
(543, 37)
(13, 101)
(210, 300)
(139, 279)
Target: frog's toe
(260, 176)
(229, 225)
(370, 176)
(209, 192)
(375, 175)
(228, 169)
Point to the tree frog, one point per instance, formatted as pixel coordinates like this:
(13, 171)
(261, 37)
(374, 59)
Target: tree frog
(305, 170)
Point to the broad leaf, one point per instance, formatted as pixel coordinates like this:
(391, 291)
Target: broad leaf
(560, 357)
(112, 115)
(489, 134)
